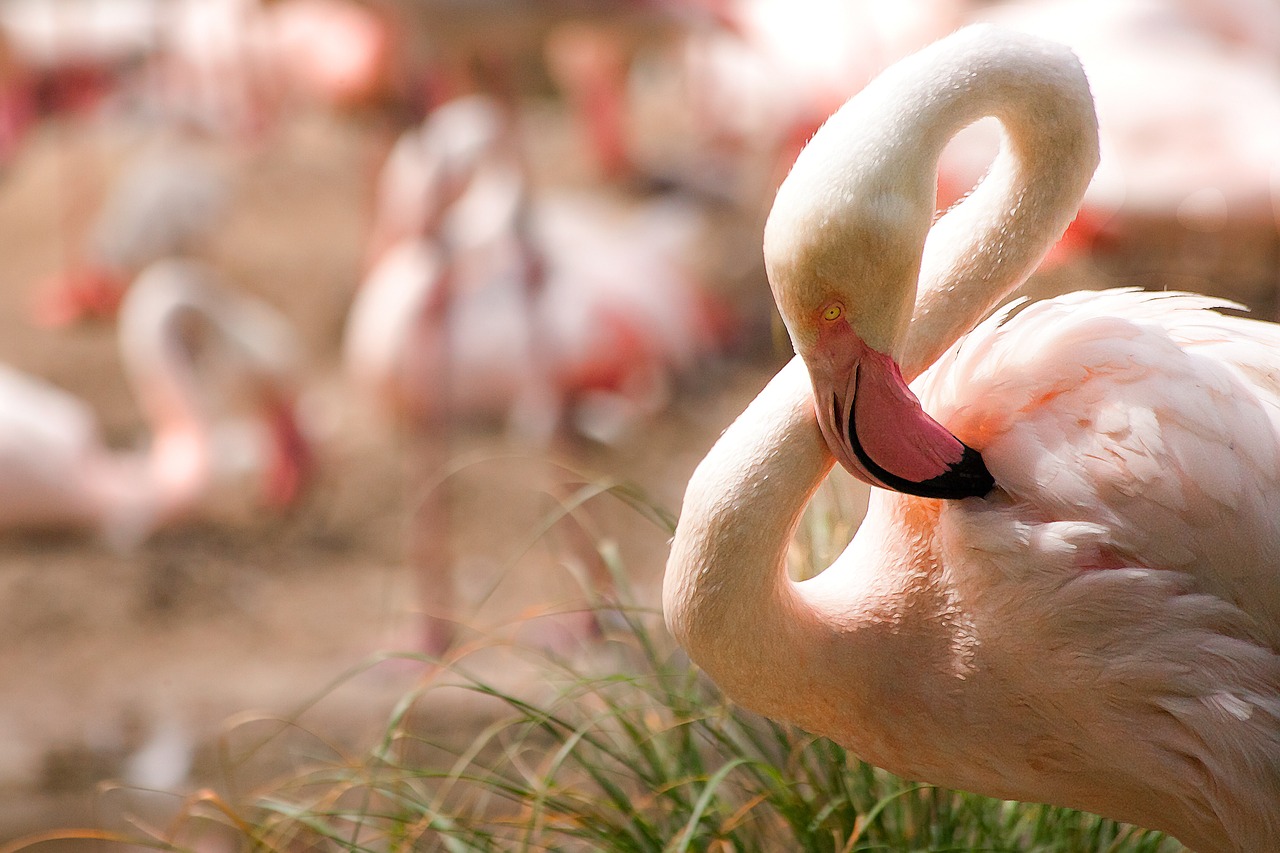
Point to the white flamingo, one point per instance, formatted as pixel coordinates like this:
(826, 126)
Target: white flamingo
(483, 299)
(1098, 629)
(170, 199)
(557, 313)
(177, 331)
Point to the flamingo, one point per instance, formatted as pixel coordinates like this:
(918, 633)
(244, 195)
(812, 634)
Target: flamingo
(1066, 588)
(175, 322)
(561, 313)
(337, 51)
(170, 199)
(736, 87)
(483, 299)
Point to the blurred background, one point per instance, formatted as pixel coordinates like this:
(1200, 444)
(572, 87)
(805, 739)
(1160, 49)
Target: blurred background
(334, 326)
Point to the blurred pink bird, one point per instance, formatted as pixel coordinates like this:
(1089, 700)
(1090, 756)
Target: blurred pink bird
(169, 200)
(178, 334)
(558, 314)
(483, 300)
(753, 80)
(1090, 615)
(192, 57)
(336, 51)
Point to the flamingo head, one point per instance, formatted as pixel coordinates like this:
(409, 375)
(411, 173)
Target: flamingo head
(843, 267)
(874, 424)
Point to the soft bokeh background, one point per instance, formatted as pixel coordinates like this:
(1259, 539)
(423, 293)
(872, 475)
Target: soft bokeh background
(267, 123)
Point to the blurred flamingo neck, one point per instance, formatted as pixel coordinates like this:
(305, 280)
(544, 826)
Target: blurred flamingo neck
(159, 365)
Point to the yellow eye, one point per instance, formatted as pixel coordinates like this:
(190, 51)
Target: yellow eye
(832, 312)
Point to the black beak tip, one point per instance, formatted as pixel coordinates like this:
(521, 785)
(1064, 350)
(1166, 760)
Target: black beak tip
(968, 478)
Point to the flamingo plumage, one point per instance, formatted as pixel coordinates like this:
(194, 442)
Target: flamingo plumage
(59, 473)
(1085, 608)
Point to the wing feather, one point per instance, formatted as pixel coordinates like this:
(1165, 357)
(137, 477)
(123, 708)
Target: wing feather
(1152, 415)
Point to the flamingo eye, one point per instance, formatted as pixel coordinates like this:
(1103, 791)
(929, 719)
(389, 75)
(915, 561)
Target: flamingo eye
(832, 312)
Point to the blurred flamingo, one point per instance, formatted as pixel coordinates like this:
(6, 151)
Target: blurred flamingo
(556, 312)
(1065, 588)
(56, 62)
(338, 52)
(182, 338)
(168, 200)
(755, 78)
(215, 72)
(484, 299)
(188, 57)
(178, 70)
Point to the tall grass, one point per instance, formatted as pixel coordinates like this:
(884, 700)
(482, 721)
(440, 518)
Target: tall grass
(637, 753)
(646, 760)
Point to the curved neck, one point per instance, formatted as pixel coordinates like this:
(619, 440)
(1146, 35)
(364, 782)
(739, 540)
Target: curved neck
(159, 363)
(853, 217)
(985, 247)
(180, 454)
(726, 594)
(171, 316)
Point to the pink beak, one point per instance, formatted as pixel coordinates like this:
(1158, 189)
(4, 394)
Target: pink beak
(876, 428)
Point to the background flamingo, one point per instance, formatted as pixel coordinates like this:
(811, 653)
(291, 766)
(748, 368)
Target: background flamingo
(170, 199)
(1102, 628)
(719, 96)
(192, 87)
(552, 312)
(181, 339)
(543, 304)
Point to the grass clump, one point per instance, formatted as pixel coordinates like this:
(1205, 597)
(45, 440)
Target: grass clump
(635, 752)
(651, 760)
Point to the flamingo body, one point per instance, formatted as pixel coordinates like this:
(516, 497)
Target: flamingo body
(1101, 628)
(170, 199)
(1157, 414)
(49, 442)
(471, 334)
